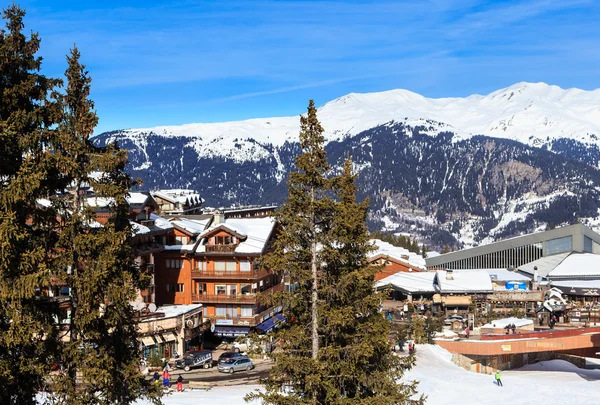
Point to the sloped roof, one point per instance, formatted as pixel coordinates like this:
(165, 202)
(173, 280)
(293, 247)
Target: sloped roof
(465, 281)
(256, 230)
(191, 226)
(502, 274)
(544, 265)
(577, 265)
(413, 282)
(397, 253)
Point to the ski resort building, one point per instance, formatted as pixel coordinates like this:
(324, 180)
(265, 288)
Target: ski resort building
(394, 259)
(178, 202)
(213, 260)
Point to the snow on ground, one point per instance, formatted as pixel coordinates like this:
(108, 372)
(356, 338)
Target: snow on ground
(445, 383)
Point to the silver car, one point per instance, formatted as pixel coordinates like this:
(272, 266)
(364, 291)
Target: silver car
(238, 364)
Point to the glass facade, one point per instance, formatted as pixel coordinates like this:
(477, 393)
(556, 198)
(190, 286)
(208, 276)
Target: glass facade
(588, 245)
(560, 245)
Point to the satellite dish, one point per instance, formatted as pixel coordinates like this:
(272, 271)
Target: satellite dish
(212, 327)
(189, 323)
(152, 307)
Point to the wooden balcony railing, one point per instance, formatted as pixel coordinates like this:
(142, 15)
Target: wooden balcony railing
(233, 298)
(221, 248)
(230, 275)
(242, 320)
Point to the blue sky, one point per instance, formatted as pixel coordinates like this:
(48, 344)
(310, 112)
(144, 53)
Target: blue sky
(167, 63)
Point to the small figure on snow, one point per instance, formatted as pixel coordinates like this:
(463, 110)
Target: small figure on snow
(156, 378)
(498, 380)
(180, 383)
(467, 332)
(166, 376)
(513, 328)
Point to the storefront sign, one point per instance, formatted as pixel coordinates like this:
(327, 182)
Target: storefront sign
(506, 348)
(516, 285)
(224, 322)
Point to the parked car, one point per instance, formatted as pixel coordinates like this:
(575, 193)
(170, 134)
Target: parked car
(200, 358)
(229, 355)
(453, 318)
(236, 364)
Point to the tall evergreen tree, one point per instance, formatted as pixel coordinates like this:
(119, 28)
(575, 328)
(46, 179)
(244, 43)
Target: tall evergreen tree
(352, 363)
(100, 359)
(27, 229)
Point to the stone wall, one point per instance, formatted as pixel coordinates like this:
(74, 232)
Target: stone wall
(489, 364)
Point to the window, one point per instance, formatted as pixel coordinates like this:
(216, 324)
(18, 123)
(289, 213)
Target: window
(247, 311)
(219, 266)
(175, 287)
(246, 289)
(200, 288)
(232, 289)
(230, 266)
(220, 289)
(174, 263)
(245, 265)
(560, 245)
(226, 311)
(202, 266)
(587, 245)
(181, 240)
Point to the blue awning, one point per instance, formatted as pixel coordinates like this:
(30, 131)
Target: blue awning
(231, 331)
(270, 323)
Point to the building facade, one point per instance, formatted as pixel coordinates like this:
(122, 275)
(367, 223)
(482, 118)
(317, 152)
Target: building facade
(215, 262)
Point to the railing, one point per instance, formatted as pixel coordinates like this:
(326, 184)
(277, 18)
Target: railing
(242, 320)
(234, 298)
(230, 275)
(220, 248)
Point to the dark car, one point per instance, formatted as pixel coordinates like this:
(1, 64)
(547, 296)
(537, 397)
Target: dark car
(229, 355)
(200, 358)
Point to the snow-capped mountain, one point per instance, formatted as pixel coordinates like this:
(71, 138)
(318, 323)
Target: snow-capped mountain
(418, 158)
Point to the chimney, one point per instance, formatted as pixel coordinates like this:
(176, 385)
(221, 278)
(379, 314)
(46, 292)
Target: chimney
(449, 275)
(219, 218)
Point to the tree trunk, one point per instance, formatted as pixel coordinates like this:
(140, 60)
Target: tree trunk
(315, 295)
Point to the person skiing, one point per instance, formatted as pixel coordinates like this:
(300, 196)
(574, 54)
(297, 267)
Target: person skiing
(513, 327)
(498, 380)
(156, 378)
(467, 331)
(180, 383)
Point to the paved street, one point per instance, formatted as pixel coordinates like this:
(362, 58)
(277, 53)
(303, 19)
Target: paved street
(213, 376)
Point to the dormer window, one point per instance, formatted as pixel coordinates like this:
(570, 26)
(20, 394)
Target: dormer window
(224, 240)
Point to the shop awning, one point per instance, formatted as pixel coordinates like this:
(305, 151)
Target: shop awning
(148, 341)
(168, 337)
(231, 331)
(270, 323)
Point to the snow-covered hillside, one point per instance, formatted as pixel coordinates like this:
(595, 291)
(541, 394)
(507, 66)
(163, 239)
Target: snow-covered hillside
(532, 113)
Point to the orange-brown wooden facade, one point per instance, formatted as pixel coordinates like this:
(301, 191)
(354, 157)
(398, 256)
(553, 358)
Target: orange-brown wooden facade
(390, 266)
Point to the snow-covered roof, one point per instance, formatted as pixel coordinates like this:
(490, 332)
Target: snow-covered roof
(178, 195)
(137, 229)
(172, 311)
(397, 253)
(577, 265)
(256, 230)
(98, 202)
(413, 282)
(465, 281)
(576, 284)
(192, 226)
(501, 323)
(136, 198)
(160, 223)
(544, 265)
(503, 275)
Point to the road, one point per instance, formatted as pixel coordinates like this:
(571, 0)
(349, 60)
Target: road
(212, 375)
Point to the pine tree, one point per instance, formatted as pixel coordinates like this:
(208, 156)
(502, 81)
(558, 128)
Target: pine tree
(96, 262)
(27, 229)
(351, 362)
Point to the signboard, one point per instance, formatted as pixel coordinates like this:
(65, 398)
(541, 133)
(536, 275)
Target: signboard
(516, 285)
(506, 348)
(589, 292)
(224, 322)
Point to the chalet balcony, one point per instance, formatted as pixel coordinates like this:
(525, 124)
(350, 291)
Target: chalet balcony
(233, 298)
(230, 275)
(230, 248)
(242, 320)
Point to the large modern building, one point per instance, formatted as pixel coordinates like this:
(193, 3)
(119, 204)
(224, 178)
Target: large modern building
(518, 252)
